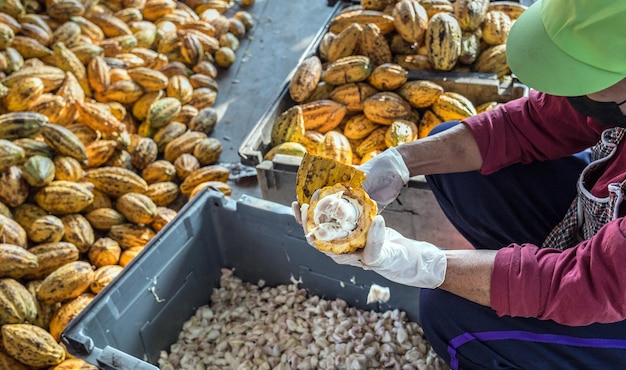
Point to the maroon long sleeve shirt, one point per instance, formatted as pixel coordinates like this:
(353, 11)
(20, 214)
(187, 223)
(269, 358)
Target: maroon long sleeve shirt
(581, 285)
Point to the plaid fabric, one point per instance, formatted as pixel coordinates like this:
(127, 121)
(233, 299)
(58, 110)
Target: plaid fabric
(588, 214)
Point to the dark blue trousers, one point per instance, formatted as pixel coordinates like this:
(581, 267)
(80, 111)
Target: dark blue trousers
(520, 203)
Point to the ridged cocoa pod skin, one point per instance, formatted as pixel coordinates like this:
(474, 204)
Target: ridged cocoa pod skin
(386, 107)
(31, 345)
(16, 261)
(115, 181)
(103, 276)
(104, 251)
(51, 256)
(17, 305)
(46, 229)
(63, 197)
(470, 13)
(137, 208)
(410, 20)
(288, 126)
(305, 78)
(78, 231)
(75, 364)
(130, 235)
(66, 282)
(443, 40)
(67, 313)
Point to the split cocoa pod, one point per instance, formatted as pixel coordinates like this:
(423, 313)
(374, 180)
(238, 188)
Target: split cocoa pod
(340, 217)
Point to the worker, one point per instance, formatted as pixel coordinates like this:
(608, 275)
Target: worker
(537, 187)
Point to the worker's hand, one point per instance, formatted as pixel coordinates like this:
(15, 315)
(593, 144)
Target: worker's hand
(386, 175)
(388, 253)
(402, 260)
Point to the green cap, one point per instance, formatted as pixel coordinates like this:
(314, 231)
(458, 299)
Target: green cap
(569, 47)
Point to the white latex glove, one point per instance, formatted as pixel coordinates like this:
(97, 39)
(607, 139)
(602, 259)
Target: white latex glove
(391, 255)
(386, 175)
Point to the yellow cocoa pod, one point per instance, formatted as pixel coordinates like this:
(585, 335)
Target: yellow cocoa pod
(116, 181)
(347, 240)
(104, 251)
(129, 254)
(311, 140)
(14, 189)
(437, 6)
(30, 47)
(78, 231)
(374, 141)
(163, 217)
(428, 121)
(32, 147)
(305, 78)
(470, 47)
(67, 312)
(67, 169)
(148, 79)
(361, 16)
(162, 111)
(66, 282)
(352, 95)
(288, 126)
(353, 68)
(131, 235)
(123, 91)
(159, 171)
(104, 218)
(286, 148)
(25, 214)
(17, 305)
(485, 107)
(511, 8)
(322, 115)
(51, 256)
(63, 197)
(414, 62)
(207, 173)
(410, 20)
(31, 345)
(204, 121)
(12, 232)
(66, 60)
(453, 106)
(208, 150)
(16, 125)
(180, 88)
(345, 43)
(162, 193)
(420, 93)
(10, 154)
(64, 142)
(52, 77)
(23, 93)
(75, 364)
(15, 262)
(496, 27)
(220, 186)
(400, 132)
(335, 146)
(8, 362)
(359, 127)
(443, 40)
(182, 144)
(386, 107)
(137, 208)
(46, 229)
(470, 13)
(374, 45)
(103, 276)
(185, 164)
(65, 9)
(388, 76)
(203, 97)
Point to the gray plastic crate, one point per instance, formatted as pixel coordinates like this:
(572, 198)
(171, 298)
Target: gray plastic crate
(142, 311)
